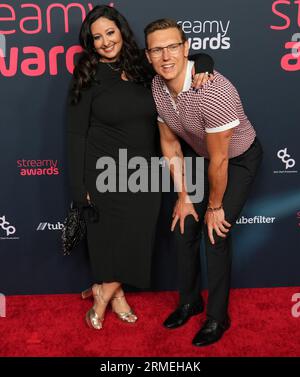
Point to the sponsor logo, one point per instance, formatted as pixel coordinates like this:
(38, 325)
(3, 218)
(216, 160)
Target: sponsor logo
(287, 160)
(255, 220)
(285, 157)
(296, 307)
(208, 34)
(7, 228)
(35, 60)
(32, 19)
(49, 226)
(37, 167)
(298, 217)
(287, 13)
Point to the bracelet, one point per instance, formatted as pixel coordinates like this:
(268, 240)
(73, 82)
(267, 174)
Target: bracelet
(215, 209)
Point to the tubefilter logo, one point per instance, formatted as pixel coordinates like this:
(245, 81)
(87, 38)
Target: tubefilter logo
(50, 226)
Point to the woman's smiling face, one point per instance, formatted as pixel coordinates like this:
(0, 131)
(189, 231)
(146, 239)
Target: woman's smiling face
(108, 40)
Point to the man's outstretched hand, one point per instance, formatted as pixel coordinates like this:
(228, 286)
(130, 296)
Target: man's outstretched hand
(182, 209)
(215, 221)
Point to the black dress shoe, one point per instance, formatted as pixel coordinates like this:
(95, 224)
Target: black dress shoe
(210, 332)
(182, 314)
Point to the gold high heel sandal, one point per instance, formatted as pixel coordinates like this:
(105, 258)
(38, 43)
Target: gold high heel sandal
(129, 316)
(92, 318)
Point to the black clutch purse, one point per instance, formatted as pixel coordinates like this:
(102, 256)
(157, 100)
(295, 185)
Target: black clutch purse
(74, 230)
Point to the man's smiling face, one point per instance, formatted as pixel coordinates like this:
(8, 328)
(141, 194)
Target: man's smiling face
(171, 62)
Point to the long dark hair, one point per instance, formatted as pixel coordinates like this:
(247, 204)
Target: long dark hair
(131, 59)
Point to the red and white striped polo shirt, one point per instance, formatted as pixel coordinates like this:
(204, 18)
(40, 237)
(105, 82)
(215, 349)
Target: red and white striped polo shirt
(216, 107)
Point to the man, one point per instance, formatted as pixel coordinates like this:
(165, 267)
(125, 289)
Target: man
(209, 123)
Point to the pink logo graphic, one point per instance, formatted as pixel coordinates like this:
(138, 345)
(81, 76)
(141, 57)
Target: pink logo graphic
(36, 60)
(298, 217)
(282, 9)
(38, 167)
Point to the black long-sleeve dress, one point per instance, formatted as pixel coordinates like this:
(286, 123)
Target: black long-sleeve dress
(112, 115)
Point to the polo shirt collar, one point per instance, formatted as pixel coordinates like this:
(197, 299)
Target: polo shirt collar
(187, 80)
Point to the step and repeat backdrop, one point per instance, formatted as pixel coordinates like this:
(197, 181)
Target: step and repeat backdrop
(255, 43)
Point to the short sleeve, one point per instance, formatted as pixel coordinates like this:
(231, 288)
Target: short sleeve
(155, 89)
(160, 119)
(219, 107)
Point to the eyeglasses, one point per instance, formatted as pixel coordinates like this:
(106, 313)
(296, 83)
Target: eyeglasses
(173, 49)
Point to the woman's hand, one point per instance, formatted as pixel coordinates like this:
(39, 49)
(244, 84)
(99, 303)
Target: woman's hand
(199, 79)
(215, 221)
(88, 197)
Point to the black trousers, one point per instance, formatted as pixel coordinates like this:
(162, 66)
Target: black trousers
(241, 173)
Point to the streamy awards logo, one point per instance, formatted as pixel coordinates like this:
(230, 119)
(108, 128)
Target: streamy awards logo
(287, 17)
(30, 20)
(207, 34)
(37, 167)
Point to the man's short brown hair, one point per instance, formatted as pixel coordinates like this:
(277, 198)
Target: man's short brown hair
(162, 24)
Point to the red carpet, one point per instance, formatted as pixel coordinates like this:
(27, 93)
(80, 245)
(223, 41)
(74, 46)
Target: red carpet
(53, 325)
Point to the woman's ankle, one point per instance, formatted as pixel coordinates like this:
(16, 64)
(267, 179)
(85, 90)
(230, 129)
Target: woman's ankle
(118, 292)
(109, 290)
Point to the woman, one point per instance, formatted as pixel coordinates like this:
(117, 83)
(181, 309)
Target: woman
(111, 108)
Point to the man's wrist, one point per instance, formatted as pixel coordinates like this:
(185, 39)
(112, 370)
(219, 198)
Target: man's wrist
(182, 194)
(214, 202)
(184, 197)
(211, 208)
